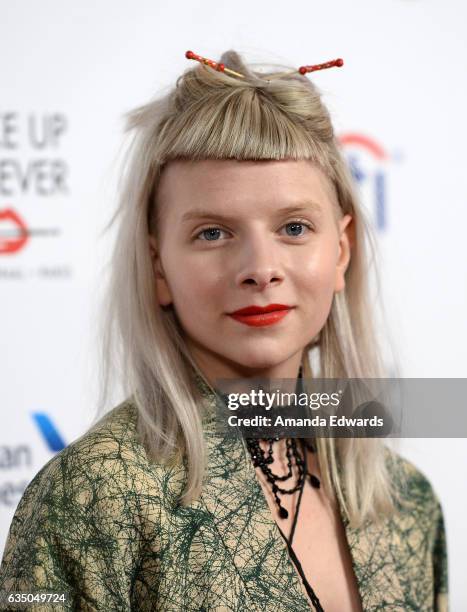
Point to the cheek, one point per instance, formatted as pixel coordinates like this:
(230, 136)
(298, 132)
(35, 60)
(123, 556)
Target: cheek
(318, 268)
(317, 281)
(195, 286)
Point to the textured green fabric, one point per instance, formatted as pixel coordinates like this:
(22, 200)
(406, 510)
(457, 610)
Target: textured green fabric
(101, 523)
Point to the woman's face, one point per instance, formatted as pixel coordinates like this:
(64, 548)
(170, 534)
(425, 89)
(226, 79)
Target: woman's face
(234, 234)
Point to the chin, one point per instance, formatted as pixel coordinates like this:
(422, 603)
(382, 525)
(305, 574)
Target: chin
(264, 354)
(262, 361)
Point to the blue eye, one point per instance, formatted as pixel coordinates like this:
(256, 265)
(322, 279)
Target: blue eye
(298, 226)
(295, 225)
(212, 232)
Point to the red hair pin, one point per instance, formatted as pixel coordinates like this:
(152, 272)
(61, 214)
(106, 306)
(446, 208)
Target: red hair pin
(304, 69)
(337, 62)
(212, 63)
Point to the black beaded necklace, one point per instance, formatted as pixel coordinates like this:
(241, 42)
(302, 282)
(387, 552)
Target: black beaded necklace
(261, 459)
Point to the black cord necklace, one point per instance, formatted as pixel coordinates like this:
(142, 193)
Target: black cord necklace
(262, 460)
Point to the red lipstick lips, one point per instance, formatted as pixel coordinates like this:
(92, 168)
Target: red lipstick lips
(260, 316)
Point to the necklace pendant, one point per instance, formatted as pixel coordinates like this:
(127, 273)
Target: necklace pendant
(283, 512)
(314, 481)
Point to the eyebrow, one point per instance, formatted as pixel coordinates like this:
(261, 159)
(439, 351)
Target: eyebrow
(303, 207)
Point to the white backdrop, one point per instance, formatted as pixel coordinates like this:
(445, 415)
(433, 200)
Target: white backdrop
(69, 71)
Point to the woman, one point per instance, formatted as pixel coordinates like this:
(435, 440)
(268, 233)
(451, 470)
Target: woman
(236, 196)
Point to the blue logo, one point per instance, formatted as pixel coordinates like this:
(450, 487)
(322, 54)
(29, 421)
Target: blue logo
(367, 161)
(49, 432)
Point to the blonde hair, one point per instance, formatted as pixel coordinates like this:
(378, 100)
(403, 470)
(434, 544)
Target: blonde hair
(211, 115)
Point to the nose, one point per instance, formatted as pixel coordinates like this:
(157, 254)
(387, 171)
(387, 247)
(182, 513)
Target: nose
(259, 264)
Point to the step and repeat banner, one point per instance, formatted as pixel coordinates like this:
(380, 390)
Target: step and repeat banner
(69, 73)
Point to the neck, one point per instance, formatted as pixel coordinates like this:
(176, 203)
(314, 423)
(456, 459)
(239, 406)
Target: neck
(216, 369)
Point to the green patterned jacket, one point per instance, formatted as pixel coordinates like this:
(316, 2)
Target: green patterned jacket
(101, 524)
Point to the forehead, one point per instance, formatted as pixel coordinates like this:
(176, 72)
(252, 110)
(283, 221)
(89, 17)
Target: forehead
(226, 186)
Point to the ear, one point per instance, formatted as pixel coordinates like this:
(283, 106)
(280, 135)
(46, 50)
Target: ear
(346, 241)
(164, 296)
